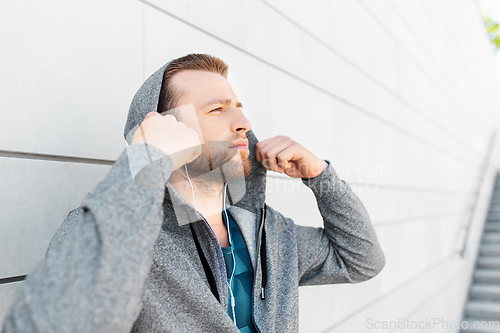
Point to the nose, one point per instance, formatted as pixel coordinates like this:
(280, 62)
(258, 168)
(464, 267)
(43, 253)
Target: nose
(240, 123)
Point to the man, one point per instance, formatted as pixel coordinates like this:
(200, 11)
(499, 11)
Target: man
(172, 240)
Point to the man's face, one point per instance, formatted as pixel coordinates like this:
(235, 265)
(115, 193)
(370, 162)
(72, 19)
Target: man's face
(220, 119)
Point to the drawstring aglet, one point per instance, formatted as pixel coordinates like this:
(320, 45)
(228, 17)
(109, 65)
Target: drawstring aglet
(262, 296)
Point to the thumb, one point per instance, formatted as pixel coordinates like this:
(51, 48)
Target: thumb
(151, 114)
(196, 153)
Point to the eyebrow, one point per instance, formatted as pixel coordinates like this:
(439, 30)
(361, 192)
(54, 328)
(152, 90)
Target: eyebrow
(223, 102)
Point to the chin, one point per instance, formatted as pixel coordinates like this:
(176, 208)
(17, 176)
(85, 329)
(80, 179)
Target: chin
(238, 167)
(221, 167)
(247, 165)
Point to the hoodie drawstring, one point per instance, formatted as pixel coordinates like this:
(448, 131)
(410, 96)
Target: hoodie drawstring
(263, 261)
(206, 266)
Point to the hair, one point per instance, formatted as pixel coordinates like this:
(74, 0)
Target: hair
(169, 95)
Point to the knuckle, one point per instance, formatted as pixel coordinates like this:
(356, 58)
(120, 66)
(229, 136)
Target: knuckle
(169, 117)
(192, 133)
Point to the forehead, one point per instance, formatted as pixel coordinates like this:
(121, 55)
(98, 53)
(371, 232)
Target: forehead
(199, 86)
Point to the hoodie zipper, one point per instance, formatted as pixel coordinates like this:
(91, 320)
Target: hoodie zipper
(261, 243)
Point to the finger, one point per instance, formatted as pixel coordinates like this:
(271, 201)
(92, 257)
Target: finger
(260, 145)
(197, 147)
(196, 153)
(143, 135)
(181, 157)
(285, 156)
(270, 153)
(258, 148)
(271, 158)
(263, 146)
(169, 117)
(150, 115)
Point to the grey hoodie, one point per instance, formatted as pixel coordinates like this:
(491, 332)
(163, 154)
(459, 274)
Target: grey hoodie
(123, 262)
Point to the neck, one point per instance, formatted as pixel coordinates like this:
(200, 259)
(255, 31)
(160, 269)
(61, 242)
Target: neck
(208, 195)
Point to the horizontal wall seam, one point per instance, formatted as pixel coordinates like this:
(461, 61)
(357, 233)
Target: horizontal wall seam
(53, 158)
(410, 55)
(385, 186)
(360, 70)
(392, 291)
(413, 188)
(400, 129)
(446, 40)
(73, 159)
(426, 48)
(419, 218)
(12, 279)
(436, 292)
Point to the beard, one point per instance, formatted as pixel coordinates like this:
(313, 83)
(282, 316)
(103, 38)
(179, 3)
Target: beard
(218, 163)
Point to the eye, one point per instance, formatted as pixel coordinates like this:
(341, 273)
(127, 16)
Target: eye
(217, 110)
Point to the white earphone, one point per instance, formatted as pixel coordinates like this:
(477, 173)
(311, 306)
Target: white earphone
(230, 283)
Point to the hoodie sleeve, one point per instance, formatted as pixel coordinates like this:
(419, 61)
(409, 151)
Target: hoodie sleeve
(93, 274)
(346, 250)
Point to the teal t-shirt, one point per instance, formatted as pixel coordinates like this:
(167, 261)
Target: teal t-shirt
(242, 280)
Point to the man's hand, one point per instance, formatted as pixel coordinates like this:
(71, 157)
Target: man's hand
(181, 143)
(283, 155)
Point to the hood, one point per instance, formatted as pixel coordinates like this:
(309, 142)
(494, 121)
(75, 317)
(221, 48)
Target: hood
(146, 100)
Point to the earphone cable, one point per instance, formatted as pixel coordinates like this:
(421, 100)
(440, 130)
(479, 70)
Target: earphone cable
(192, 189)
(233, 302)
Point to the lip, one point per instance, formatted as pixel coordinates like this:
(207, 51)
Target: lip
(243, 144)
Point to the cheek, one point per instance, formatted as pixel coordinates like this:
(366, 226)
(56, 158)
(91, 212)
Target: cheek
(201, 136)
(202, 133)
(211, 134)
(190, 118)
(216, 129)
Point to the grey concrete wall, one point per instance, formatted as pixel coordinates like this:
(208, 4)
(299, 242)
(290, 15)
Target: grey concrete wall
(398, 95)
